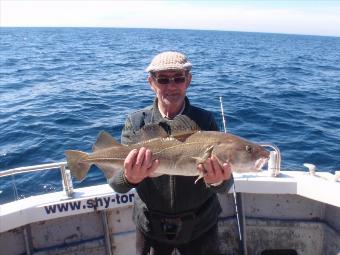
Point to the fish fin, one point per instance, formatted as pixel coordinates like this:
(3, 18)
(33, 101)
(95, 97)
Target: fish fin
(183, 136)
(104, 140)
(220, 161)
(108, 168)
(199, 177)
(206, 155)
(75, 162)
(181, 125)
(208, 152)
(151, 131)
(198, 160)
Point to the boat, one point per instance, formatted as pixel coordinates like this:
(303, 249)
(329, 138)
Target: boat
(272, 212)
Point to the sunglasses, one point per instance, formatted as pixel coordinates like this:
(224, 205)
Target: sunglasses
(166, 80)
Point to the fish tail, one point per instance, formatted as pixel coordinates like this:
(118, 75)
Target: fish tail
(75, 162)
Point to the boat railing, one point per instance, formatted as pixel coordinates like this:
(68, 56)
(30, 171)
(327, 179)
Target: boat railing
(274, 162)
(62, 166)
(274, 165)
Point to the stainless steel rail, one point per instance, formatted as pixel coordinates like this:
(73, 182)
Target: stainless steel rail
(62, 166)
(27, 169)
(274, 162)
(274, 167)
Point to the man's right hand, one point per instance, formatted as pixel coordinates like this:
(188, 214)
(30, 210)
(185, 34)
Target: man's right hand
(139, 164)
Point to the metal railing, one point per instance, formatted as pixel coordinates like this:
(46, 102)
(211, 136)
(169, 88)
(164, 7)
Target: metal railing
(274, 167)
(62, 166)
(274, 162)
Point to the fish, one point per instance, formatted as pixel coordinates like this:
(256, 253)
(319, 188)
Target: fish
(179, 145)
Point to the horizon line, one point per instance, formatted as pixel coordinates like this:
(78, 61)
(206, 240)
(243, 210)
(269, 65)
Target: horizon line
(160, 28)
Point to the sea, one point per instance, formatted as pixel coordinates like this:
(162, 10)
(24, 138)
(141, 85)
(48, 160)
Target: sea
(59, 87)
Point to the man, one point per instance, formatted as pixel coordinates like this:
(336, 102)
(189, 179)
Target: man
(172, 212)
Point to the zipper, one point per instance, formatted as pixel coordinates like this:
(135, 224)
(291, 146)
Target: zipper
(172, 192)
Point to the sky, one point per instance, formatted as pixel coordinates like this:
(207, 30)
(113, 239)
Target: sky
(285, 16)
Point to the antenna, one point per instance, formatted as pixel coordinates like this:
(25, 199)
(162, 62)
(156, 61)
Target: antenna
(223, 118)
(238, 202)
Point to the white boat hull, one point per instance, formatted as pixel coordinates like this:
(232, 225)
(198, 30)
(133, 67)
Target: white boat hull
(291, 212)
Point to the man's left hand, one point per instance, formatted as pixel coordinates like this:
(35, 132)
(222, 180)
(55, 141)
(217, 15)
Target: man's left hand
(213, 172)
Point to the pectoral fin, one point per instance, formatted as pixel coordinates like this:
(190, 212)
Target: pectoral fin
(206, 155)
(199, 177)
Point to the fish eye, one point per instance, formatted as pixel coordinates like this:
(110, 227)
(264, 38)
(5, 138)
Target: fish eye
(249, 148)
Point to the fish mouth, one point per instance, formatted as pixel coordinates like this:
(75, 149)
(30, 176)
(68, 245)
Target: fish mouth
(260, 163)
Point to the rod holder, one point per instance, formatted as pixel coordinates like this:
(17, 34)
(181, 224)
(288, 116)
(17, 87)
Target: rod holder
(274, 162)
(311, 168)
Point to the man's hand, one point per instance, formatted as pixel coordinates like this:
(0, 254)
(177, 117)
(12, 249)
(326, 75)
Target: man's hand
(138, 165)
(213, 172)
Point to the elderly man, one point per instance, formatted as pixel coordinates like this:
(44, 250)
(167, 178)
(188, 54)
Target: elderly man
(172, 212)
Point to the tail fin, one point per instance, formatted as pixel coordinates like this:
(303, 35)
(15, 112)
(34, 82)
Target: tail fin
(76, 163)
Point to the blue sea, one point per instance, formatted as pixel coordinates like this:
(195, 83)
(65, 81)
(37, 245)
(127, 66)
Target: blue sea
(59, 87)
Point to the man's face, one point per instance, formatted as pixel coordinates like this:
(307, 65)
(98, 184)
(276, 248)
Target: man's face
(170, 86)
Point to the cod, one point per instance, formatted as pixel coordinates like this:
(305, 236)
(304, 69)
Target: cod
(179, 145)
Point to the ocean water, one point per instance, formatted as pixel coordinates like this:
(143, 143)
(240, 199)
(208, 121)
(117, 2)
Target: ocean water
(60, 86)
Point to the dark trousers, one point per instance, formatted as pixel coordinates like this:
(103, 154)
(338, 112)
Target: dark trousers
(207, 243)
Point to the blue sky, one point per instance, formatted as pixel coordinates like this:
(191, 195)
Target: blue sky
(293, 17)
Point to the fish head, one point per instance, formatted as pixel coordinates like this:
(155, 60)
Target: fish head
(242, 155)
